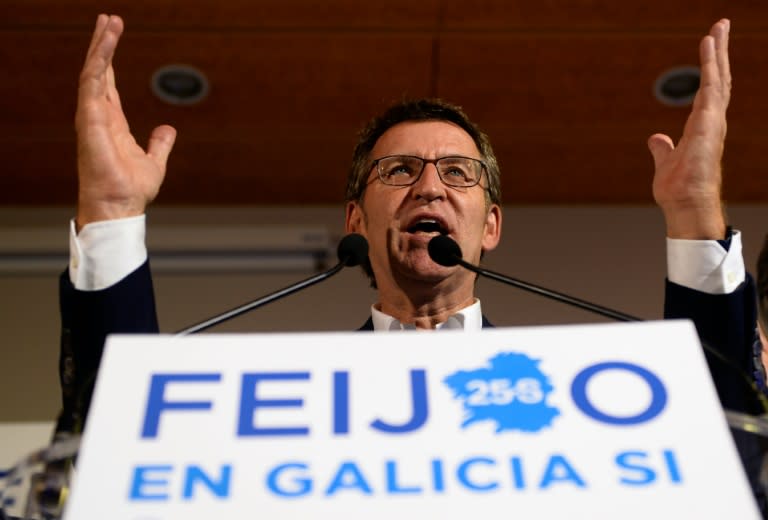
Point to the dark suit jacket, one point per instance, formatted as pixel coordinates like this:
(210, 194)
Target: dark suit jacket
(87, 317)
(724, 322)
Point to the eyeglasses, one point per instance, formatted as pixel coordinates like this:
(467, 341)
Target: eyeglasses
(404, 170)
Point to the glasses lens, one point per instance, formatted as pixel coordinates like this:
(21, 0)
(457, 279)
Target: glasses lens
(399, 170)
(460, 171)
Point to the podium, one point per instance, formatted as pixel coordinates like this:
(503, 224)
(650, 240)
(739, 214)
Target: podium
(586, 421)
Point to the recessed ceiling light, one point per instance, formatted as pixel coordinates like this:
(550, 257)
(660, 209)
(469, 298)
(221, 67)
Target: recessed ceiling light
(179, 84)
(678, 86)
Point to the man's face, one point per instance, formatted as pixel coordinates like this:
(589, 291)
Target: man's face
(399, 221)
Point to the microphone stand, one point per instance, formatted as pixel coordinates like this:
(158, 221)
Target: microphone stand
(571, 300)
(352, 251)
(237, 311)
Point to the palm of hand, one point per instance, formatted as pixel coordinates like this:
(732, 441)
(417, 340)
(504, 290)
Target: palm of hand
(117, 177)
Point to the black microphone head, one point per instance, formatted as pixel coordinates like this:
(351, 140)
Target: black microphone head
(444, 251)
(352, 250)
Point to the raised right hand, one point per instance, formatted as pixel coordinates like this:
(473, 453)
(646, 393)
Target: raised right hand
(117, 177)
(688, 178)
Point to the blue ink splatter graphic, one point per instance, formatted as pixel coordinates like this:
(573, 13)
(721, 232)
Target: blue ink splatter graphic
(512, 393)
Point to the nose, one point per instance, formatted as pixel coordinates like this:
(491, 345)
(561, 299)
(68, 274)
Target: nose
(429, 186)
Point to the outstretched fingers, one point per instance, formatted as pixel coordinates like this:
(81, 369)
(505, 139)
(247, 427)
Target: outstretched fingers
(722, 30)
(101, 23)
(661, 146)
(715, 66)
(97, 70)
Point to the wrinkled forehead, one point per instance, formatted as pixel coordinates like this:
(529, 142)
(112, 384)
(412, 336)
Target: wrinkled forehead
(429, 139)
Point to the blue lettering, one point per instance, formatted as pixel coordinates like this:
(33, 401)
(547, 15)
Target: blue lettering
(156, 402)
(558, 470)
(196, 475)
(462, 473)
(579, 393)
(517, 472)
(674, 472)
(438, 480)
(348, 477)
(392, 485)
(645, 475)
(341, 402)
(418, 405)
(142, 479)
(249, 402)
(300, 485)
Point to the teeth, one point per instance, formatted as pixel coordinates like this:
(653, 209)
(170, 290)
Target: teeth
(426, 225)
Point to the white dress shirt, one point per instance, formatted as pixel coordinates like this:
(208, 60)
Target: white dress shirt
(469, 319)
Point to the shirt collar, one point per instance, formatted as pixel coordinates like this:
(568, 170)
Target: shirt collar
(468, 319)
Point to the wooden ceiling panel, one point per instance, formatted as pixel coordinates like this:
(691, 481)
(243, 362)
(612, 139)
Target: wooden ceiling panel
(279, 79)
(262, 169)
(572, 80)
(207, 15)
(563, 88)
(588, 16)
(584, 168)
(38, 172)
(39, 86)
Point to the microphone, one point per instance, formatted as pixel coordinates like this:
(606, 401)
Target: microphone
(445, 251)
(352, 251)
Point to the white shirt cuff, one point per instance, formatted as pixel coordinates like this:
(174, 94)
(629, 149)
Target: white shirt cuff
(103, 253)
(705, 265)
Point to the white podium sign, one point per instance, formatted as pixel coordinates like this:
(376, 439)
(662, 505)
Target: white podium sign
(598, 421)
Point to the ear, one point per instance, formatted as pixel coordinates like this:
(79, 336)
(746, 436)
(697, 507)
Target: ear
(355, 218)
(492, 229)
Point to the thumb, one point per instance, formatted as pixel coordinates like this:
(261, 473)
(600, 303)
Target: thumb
(160, 144)
(660, 146)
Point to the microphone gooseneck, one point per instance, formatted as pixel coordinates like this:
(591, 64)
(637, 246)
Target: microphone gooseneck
(352, 251)
(445, 251)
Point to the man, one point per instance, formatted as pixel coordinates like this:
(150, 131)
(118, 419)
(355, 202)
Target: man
(420, 169)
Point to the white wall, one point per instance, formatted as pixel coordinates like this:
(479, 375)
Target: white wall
(613, 256)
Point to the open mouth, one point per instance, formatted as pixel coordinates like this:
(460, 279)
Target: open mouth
(428, 226)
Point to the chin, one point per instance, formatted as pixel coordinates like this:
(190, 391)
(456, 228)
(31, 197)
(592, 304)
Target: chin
(424, 268)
